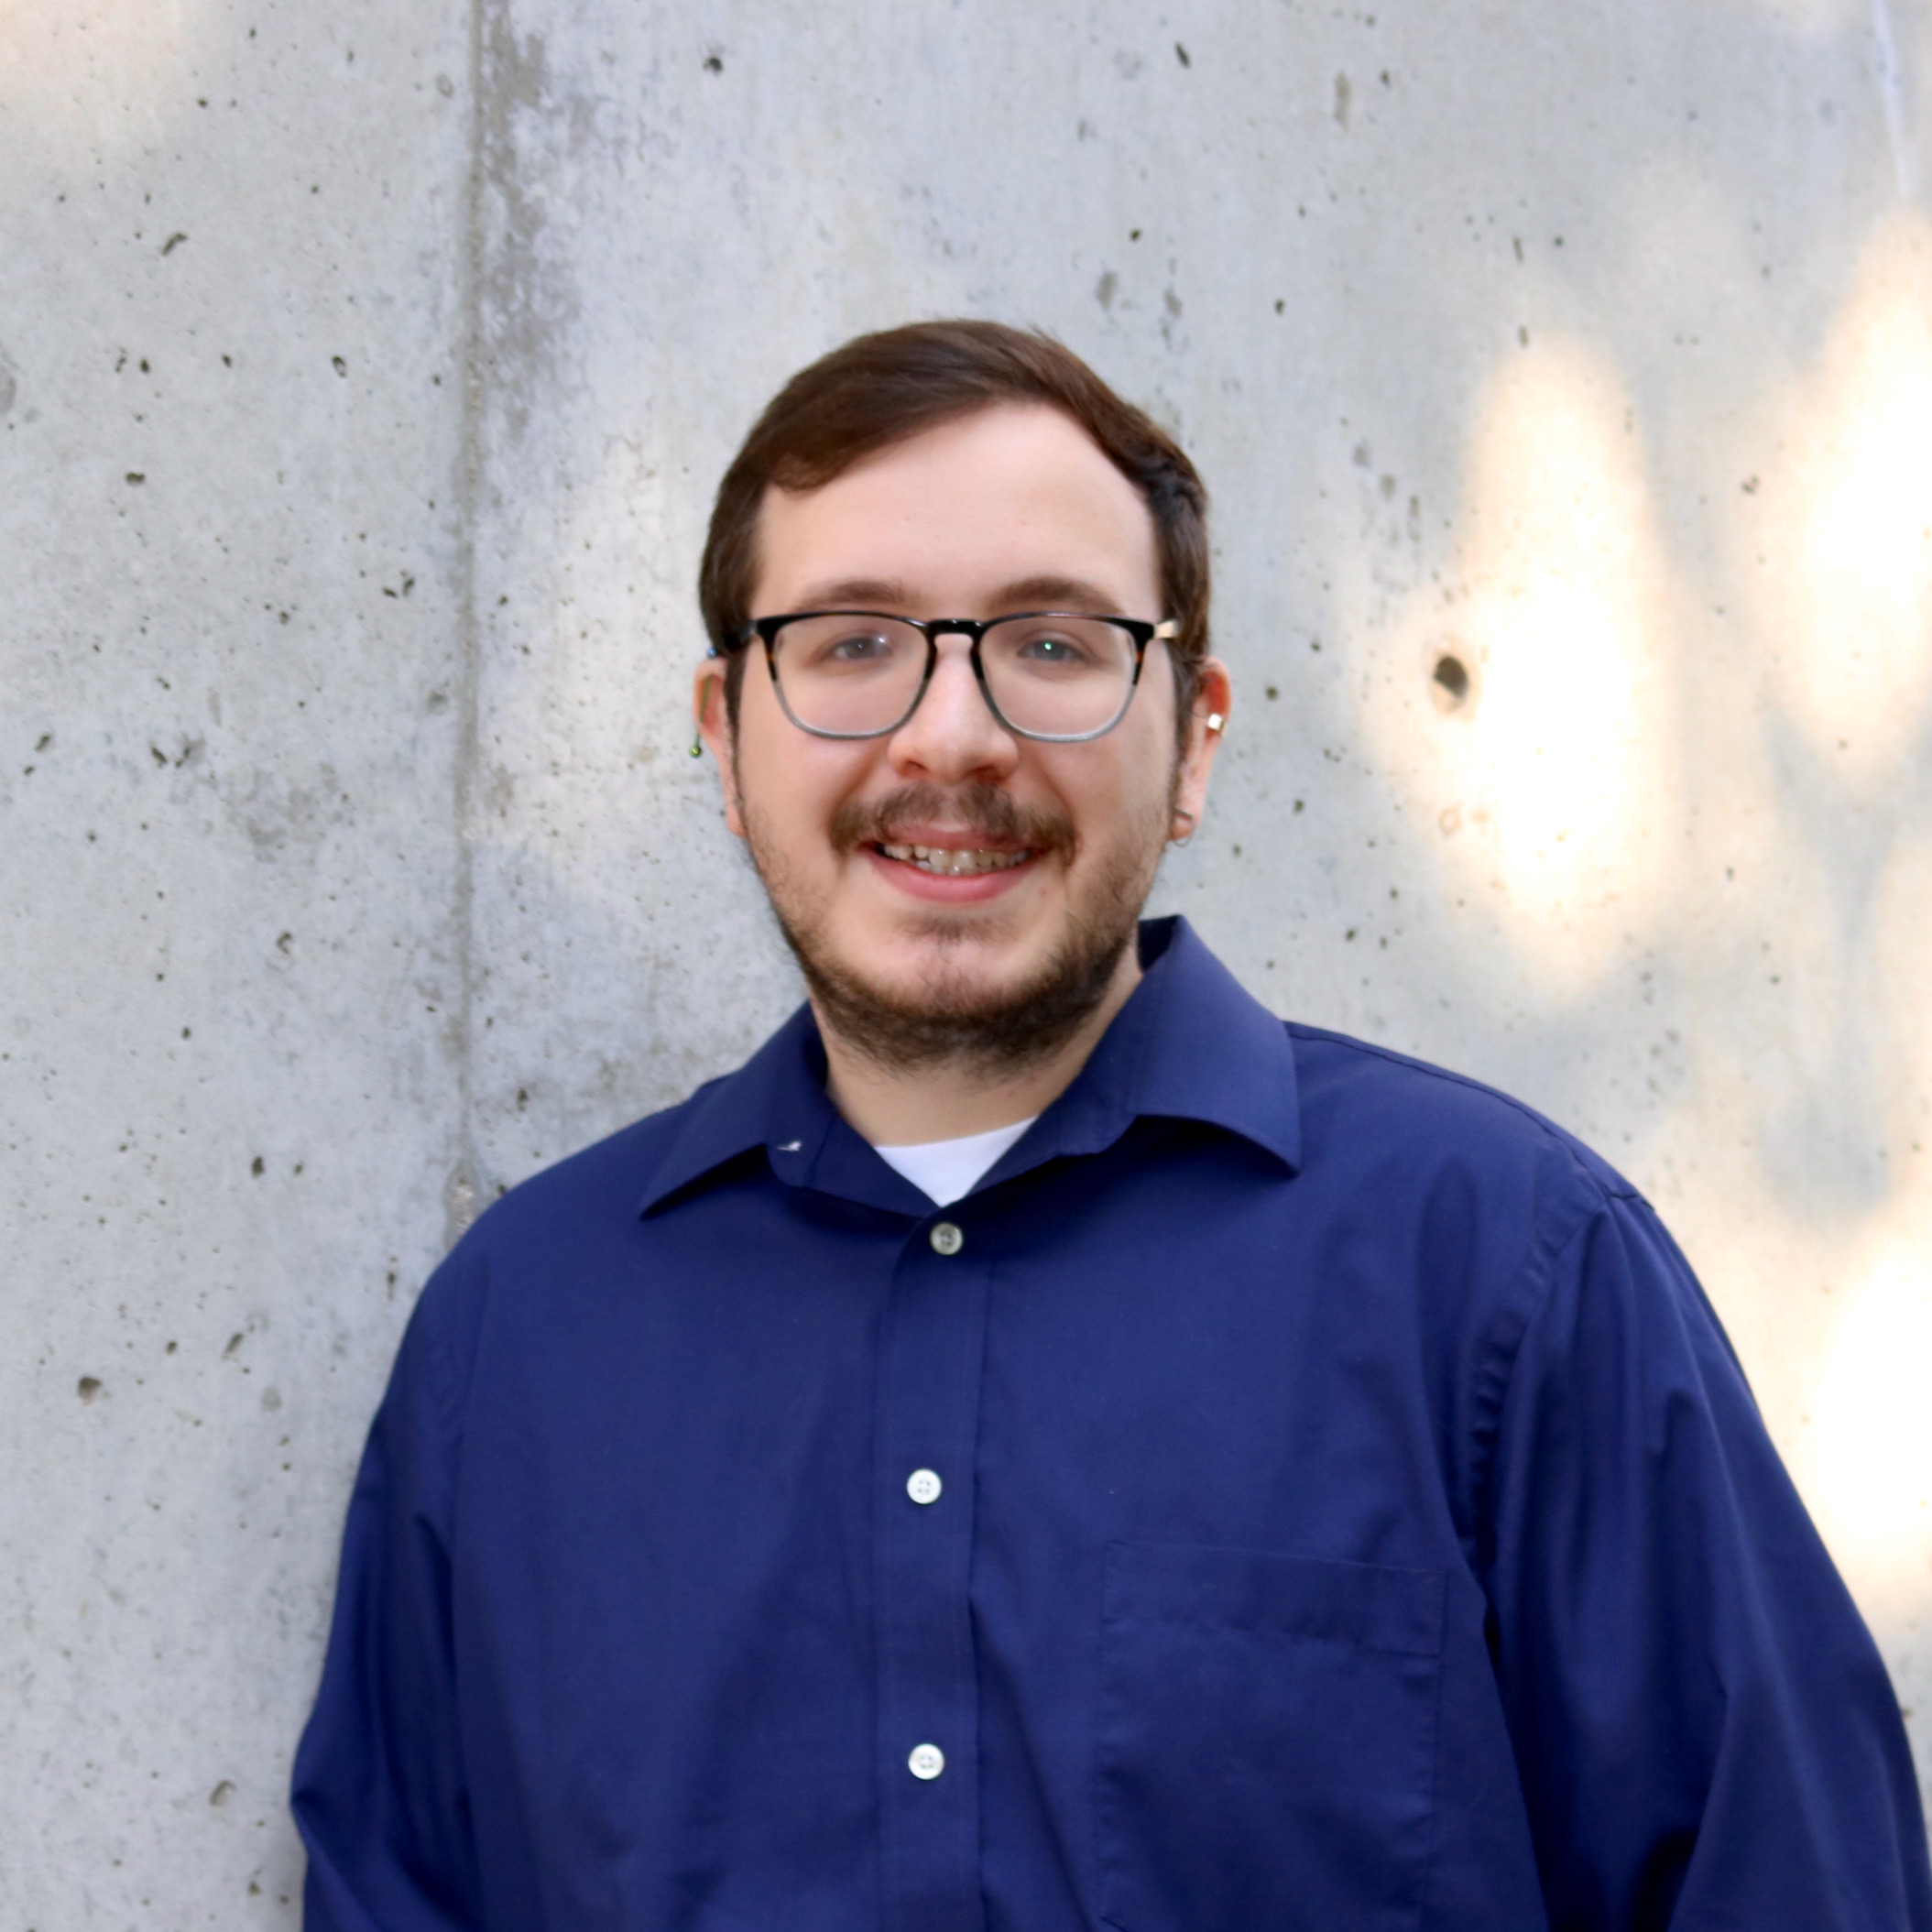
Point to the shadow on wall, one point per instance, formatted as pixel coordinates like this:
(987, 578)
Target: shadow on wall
(1602, 752)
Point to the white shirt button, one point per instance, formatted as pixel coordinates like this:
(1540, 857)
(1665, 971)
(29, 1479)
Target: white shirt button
(924, 1486)
(926, 1761)
(945, 1238)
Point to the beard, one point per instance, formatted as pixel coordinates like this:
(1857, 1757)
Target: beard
(955, 1017)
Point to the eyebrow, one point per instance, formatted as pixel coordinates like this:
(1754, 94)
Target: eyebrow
(889, 594)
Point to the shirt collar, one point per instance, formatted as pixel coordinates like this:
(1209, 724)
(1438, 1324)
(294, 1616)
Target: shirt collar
(1189, 1044)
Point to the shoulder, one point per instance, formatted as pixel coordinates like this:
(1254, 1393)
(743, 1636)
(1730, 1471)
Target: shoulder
(1488, 1200)
(1473, 1223)
(579, 1211)
(1373, 1098)
(602, 1185)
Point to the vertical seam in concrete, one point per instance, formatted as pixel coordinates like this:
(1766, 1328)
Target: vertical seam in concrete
(461, 1196)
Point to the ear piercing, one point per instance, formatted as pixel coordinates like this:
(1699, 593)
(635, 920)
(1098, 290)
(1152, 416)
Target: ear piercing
(1215, 722)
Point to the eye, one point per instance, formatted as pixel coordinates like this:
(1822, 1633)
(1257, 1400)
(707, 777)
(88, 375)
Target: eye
(1052, 650)
(821, 645)
(1048, 650)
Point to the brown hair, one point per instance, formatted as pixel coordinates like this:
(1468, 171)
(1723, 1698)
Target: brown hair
(880, 389)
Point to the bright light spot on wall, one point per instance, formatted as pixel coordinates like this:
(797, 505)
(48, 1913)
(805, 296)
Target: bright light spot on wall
(90, 74)
(1546, 754)
(1842, 533)
(1869, 1465)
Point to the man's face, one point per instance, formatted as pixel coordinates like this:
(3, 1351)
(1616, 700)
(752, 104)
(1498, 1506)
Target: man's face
(1037, 857)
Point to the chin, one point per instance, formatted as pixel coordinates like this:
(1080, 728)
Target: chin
(948, 972)
(985, 986)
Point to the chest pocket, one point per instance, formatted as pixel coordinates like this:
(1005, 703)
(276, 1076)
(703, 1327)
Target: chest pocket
(1266, 1741)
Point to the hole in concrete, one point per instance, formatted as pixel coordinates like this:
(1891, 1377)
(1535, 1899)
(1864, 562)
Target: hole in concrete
(1452, 678)
(88, 1387)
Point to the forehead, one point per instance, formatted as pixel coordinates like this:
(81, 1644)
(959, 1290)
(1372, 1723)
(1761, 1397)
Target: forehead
(1006, 494)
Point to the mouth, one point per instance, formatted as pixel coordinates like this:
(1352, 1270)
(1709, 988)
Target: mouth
(953, 861)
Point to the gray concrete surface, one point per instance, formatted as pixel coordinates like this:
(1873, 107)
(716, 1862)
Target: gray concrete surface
(364, 371)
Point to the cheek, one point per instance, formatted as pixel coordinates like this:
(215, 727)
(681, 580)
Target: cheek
(793, 784)
(1120, 802)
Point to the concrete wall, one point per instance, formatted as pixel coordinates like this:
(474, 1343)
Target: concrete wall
(364, 371)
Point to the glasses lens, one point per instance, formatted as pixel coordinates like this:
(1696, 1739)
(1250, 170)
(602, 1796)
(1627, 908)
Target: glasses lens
(848, 673)
(1059, 676)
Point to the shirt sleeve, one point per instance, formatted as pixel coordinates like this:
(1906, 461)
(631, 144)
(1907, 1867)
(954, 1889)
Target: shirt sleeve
(380, 1791)
(1706, 1735)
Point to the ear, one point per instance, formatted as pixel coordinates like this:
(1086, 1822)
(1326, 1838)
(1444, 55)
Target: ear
(714, 722)
(1214, 699)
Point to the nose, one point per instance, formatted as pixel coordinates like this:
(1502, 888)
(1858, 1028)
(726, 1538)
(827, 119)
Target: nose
(952, 734)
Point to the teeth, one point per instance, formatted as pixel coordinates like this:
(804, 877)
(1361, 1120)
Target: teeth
(947, 862)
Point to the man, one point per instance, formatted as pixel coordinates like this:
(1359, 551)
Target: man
(1046, 1444)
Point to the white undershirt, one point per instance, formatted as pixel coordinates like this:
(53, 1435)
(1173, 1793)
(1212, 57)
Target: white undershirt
(947, 1170)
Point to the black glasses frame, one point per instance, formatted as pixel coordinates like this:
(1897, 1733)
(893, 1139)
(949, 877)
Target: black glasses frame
(766, 630)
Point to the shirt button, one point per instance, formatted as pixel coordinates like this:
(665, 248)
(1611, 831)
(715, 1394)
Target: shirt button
(924, 1486)
(945, 1238)
(926, 1761)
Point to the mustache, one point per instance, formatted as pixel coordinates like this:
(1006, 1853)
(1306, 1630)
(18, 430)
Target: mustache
(977, 809)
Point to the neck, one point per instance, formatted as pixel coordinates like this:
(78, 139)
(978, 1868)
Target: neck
(903, 1105)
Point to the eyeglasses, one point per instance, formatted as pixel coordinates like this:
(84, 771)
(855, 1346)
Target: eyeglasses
(1056, 676)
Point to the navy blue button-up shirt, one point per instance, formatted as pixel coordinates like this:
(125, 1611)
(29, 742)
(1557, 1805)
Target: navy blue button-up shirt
(1350, 1516)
